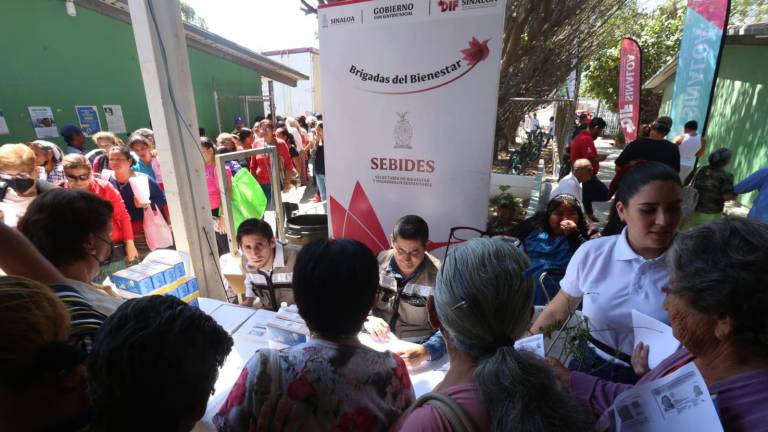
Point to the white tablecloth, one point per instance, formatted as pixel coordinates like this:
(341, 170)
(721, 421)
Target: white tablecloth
(245, 325)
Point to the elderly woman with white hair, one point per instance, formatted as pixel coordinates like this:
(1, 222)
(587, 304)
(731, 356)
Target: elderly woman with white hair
(483, 302)
(19, 184)
(717, 302)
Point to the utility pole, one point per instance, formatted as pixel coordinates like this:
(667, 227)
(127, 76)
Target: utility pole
(162, 50)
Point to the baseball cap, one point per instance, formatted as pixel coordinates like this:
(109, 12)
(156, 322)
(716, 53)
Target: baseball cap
(239, 120)
(69, 131)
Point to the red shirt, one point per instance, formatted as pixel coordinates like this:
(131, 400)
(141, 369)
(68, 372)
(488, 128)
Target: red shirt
(260, 165)
(583, 147)
(121, 220)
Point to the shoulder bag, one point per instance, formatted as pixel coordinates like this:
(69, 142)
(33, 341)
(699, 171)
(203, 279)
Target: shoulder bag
(448, 408)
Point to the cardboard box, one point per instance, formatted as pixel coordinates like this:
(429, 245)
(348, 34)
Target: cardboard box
(176, 265)
(133, 281)
(168, 272)
(158, 278)
(171, 289)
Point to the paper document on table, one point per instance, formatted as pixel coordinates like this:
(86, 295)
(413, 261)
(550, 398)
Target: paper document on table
(255, 328)
(393, 344)
(534, 344)
(679, 401)
(657, 335)
(230, 317)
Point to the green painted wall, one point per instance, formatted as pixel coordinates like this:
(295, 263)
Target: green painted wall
(52, 59)
(737, 118)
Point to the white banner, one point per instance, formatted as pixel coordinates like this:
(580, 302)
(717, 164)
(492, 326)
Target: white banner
(410, 91)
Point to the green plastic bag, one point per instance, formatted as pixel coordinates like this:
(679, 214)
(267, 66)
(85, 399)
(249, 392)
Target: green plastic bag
(248, 199)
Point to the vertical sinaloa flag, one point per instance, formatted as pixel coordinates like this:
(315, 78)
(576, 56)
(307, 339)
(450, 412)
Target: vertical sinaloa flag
(410, 90)
(700, 47)
(630, 69)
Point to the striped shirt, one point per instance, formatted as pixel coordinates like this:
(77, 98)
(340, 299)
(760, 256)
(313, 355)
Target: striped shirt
(85, 321)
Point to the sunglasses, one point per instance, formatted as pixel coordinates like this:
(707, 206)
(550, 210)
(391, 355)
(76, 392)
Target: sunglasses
(83, 177)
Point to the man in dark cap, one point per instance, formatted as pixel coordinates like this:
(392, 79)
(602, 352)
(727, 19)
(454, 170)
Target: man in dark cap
(239, 124)
(74, 138)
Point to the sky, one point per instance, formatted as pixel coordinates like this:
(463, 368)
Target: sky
(277, 24)
(274, 24)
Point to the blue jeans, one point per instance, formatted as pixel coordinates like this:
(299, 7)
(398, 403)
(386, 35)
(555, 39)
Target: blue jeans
(267, 188)
(597, 366)
(321, 186)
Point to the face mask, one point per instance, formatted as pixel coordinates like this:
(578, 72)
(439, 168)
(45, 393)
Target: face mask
(108, 259)
(21, 185)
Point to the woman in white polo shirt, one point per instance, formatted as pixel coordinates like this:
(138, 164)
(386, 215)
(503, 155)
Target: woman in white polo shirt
(615, 274)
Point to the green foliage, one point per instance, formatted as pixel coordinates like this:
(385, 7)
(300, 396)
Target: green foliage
(658, 34)
(189, 15)
(506, 200)
(748, 12)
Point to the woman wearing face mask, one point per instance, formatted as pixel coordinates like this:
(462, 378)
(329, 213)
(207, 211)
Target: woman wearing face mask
(73, 230)
(18, 181)
(78, 173)
(614, 274)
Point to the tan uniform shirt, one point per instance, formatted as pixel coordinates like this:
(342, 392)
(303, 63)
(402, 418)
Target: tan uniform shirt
(281, 277)
(413, 320)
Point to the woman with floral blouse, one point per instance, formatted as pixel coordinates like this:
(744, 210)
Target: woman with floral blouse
(333, 381)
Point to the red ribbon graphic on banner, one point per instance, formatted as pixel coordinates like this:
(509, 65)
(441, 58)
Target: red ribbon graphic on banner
(477, 52)
(360, 222)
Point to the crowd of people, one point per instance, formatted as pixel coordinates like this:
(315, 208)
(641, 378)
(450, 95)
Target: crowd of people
(91, 360)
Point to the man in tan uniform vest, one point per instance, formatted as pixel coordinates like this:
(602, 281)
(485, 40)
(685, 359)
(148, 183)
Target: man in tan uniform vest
(407, 275)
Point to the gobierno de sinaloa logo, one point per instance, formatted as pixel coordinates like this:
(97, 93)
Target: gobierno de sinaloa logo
(424, 81)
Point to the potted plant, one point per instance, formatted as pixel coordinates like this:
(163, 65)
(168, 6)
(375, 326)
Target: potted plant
(507, 206)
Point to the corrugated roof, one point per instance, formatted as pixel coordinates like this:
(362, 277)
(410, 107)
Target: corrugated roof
(310, 50)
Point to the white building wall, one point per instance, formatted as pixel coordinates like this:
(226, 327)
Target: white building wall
(295, 101)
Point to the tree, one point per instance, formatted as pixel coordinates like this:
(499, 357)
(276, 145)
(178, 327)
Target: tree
(748, 12)
(545, 41)
(658, 34)
(189, 15)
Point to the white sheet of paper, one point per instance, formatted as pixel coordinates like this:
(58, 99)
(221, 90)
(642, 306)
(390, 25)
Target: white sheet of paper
(393, 344)
(231, 317)
(255, 328)
(3, 125)
(677, 402)
(657, 335)
(534, 344)
(114, 116)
